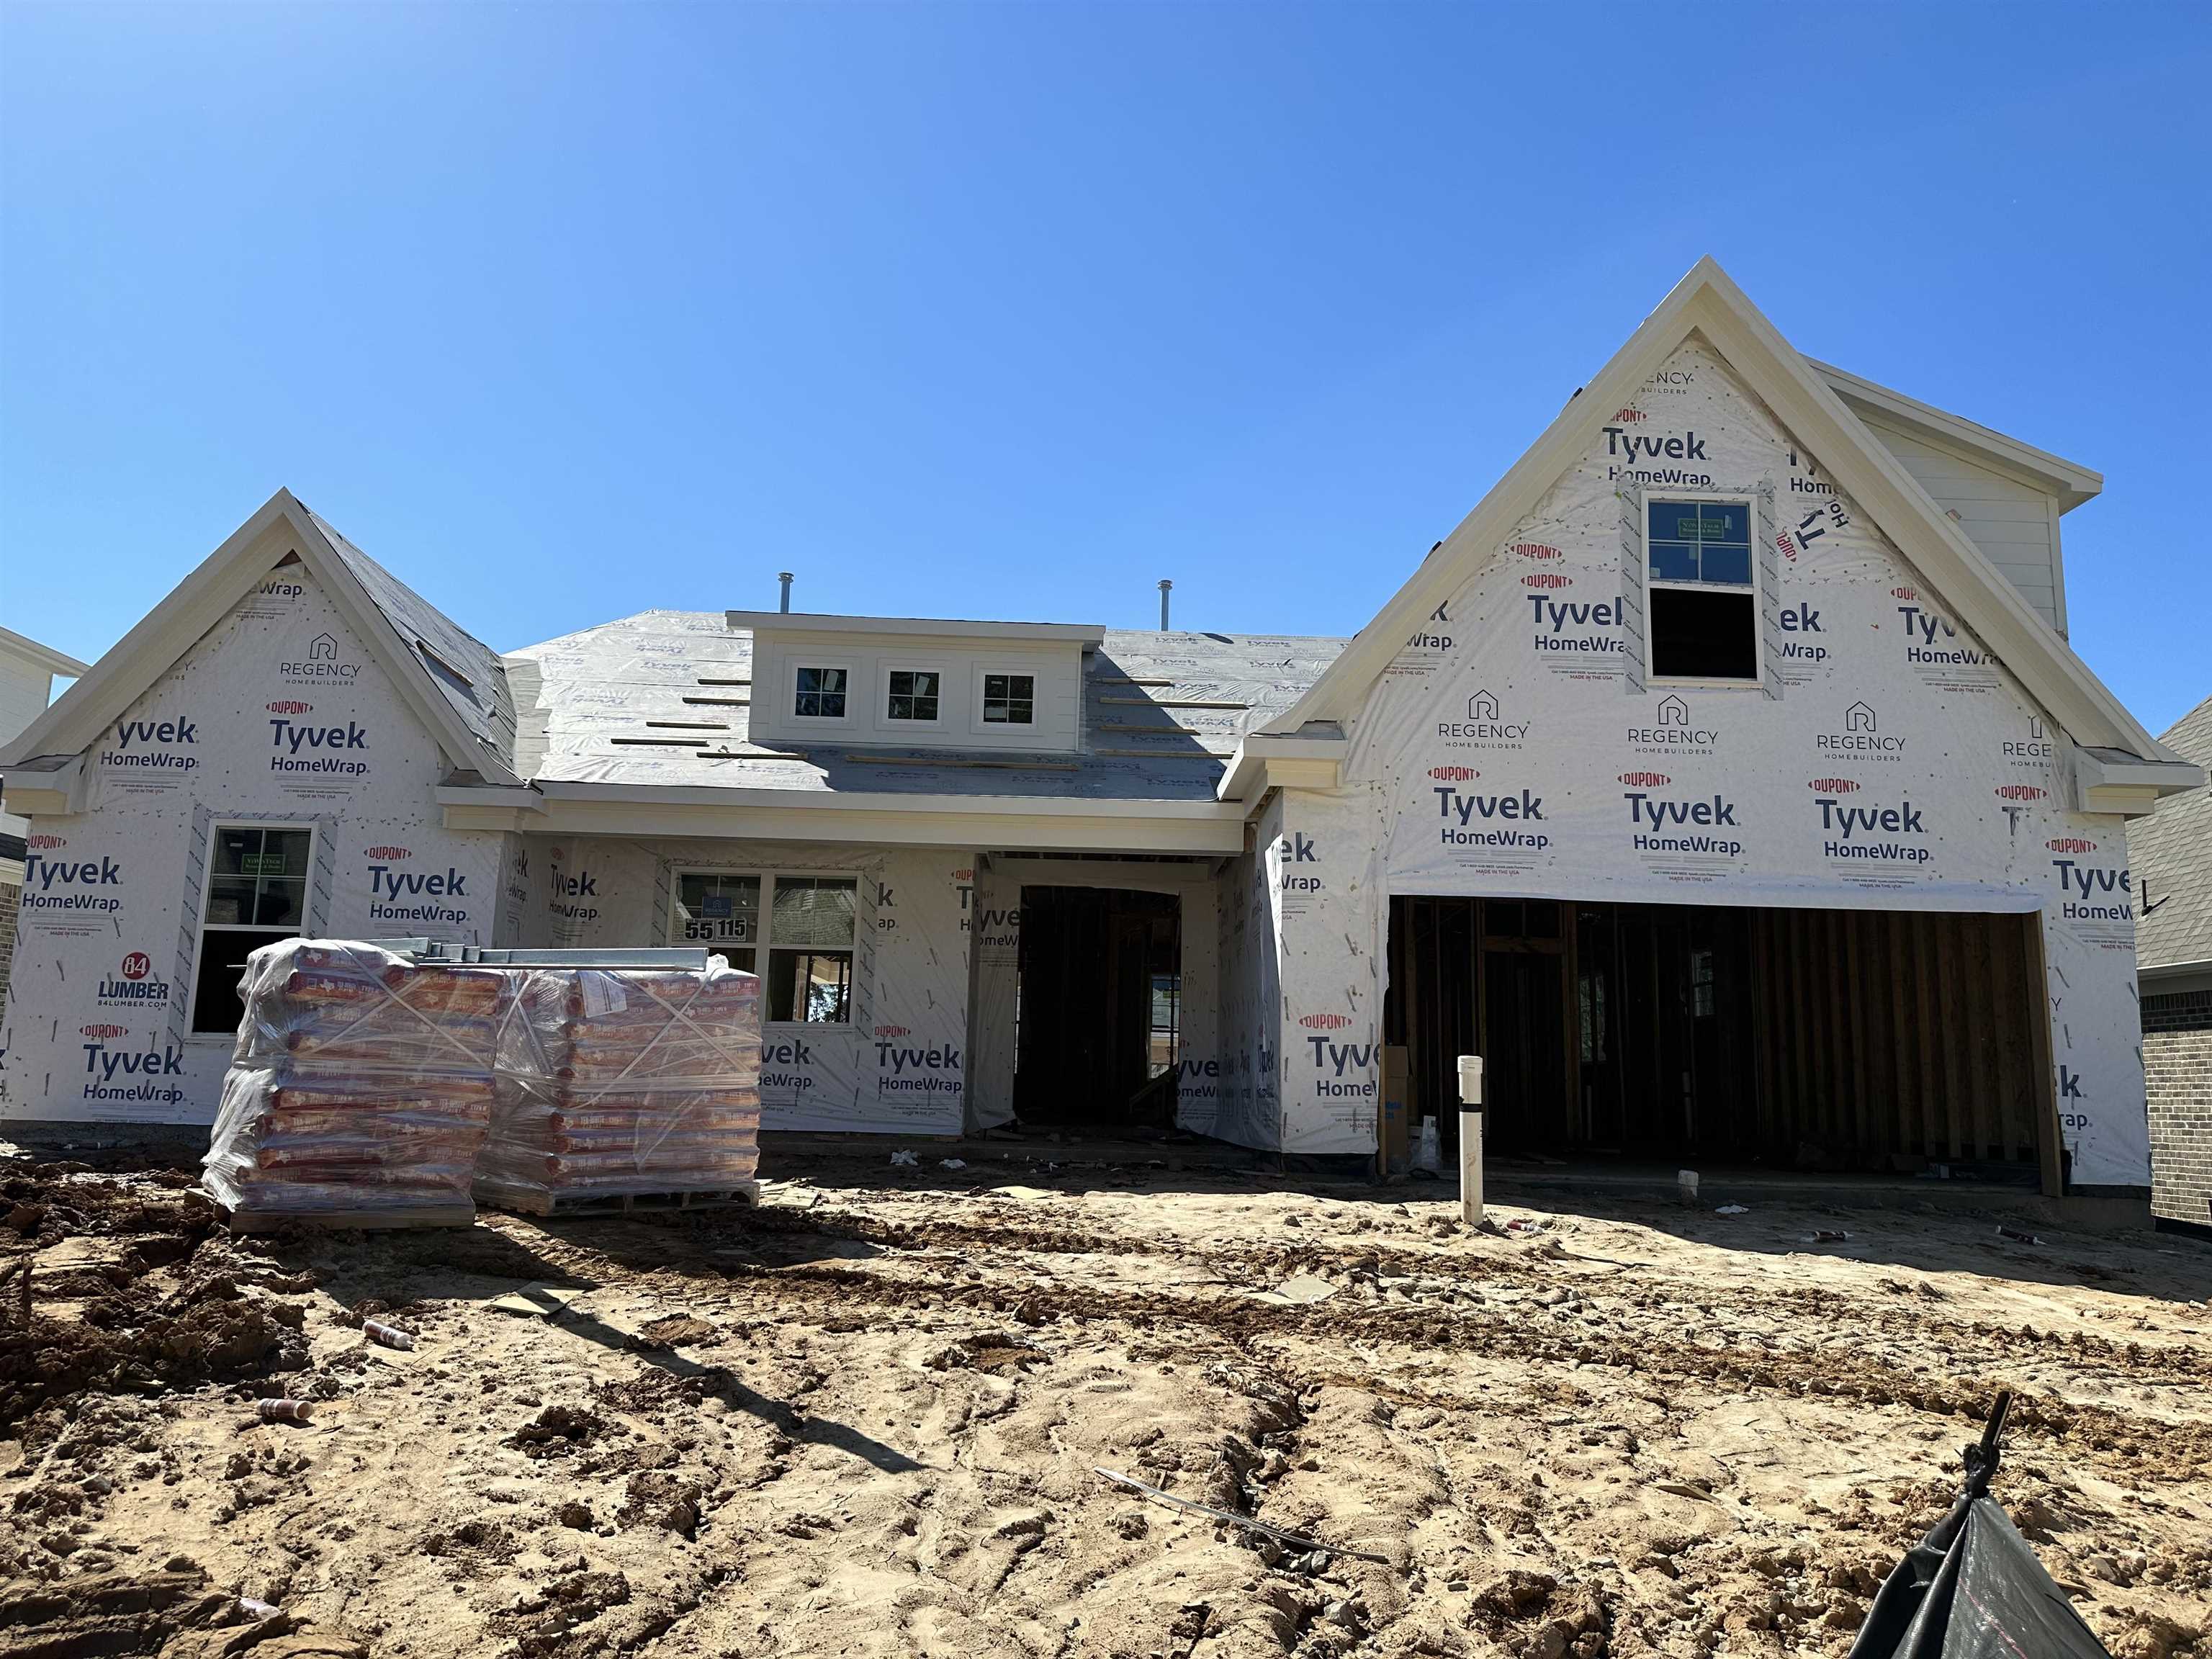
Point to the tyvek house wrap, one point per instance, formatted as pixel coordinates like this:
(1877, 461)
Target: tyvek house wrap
(280, 714)
(1887, 762)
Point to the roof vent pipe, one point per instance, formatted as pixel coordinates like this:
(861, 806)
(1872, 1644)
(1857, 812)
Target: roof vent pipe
(784, 577)
(1164, 585)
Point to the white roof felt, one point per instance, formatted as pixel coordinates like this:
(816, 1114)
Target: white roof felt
(663, 697)
(466, 672)
(2170, 853)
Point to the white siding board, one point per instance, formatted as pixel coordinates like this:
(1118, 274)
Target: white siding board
(2015, 523)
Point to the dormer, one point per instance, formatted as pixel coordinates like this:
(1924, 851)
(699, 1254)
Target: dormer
(917, 682)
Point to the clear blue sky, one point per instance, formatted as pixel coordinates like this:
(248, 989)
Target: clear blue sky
(566, 311)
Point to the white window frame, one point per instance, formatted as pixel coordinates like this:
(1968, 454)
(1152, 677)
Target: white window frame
(760, 947)
(884, 720)
(984, 671)
(811, 722)
(1749, 502)
(202, 927)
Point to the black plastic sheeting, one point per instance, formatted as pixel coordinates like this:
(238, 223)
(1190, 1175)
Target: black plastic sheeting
(1972, 1588)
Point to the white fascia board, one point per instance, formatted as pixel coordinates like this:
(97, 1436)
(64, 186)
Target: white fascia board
(2110, 781)
(1269, 760)
(40, 656)
(1706, 302)
(944, 628)
(889, 820)
(44, 791)
(2069, 481)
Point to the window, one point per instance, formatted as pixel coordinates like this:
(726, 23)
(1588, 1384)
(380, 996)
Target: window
(1702, 598)
(1009, 699)
(256, 894)
(820, 695)
(803, 934)
(911, 695)
(1701, 985)
(1167, 1024)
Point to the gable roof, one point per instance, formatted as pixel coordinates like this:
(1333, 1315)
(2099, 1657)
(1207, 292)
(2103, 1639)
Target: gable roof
(1707, 303)
(2170, 853)
(38, 656)
(454, 685)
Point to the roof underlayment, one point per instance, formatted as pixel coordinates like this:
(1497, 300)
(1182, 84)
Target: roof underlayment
(664, 697)
(2171, 851)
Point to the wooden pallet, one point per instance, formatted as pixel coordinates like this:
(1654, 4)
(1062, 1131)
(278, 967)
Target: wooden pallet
(530, 1200)
(461, 1213)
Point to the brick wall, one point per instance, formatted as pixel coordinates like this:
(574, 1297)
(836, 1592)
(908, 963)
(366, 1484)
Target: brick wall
(2178, 1066)
(10, 898)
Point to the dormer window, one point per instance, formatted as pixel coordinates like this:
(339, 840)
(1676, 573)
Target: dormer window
(910, 694)
(1009, 699)
(1702, 594)
(820, 695)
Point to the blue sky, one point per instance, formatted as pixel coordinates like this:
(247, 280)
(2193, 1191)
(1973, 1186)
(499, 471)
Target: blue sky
(564, 312)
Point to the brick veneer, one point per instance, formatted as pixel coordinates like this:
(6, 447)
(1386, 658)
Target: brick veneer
(2178, 1066)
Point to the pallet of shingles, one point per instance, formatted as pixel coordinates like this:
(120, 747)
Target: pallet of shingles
(358, 1091)
(623, 1086)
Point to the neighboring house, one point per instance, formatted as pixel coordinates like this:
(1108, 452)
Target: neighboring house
(2170, 853)
(27, 670)
(1724, 779)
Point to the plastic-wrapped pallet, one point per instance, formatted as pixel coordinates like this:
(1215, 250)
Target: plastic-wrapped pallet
(618, 1082)
(360, 1089)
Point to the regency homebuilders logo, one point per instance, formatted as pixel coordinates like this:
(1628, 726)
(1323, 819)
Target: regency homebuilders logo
(1672, 730)
(320, 664)
(133, 985)
(1861, 735)
(1485, 727)
(155, 745)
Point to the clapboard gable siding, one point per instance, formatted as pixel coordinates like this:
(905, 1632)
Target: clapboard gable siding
(2014, 522)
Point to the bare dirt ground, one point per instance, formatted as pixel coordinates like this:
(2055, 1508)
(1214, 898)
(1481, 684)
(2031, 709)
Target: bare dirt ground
(866, 1418)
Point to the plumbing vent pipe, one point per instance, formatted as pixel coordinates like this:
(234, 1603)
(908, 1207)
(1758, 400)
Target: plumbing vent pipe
(1164, 586)
(784, 577)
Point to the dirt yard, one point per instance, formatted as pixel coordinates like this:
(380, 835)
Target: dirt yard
(866, 1420)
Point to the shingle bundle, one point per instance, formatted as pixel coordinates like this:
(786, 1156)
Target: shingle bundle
(361, 1085)
(619, 1082)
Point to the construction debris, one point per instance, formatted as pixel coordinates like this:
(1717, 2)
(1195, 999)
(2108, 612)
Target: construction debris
(1296, 1540)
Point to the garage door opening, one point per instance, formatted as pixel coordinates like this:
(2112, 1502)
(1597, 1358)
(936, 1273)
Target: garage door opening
(1097, 1010)
(1830, 1040)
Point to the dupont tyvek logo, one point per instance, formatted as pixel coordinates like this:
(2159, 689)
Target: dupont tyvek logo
(1800, 623)
(997, 928)
(309, 746)
(290, 706)
(2071, 1099)
(1486, 726)
(1661, 823)
(1872, 833)
(782, 1066)
(1470, 819)
(1673, 730)
(1432, 635)
(52, 884)
(1859, 733)
(1454, 774)
(1294, 848)
(1811, 484)
(132, 985)
(130, 1073)
(1631, 414)
(575, 898)
(885, 1032)
(414, 895)
(1341, 1070)
(1547, 579)
(2021, 793)
(1832, 786)
(1325, 1022)
(1797, 540)
(934, 1070)
(1574, 624)
(153, 746)
(1642, 458)
(2091, 892)
(34, 842)
(1543, 551)
(282, 591)
(1931, 639)
(320, 663)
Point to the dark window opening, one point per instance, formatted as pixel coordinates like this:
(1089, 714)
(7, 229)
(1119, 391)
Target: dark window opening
(1704, 634)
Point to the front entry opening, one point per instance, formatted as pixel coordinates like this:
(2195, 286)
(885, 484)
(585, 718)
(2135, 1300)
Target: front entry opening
(1097, 1007)
(1836, 1039)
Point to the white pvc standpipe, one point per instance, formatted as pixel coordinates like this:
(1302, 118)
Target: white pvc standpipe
(1470, 1139)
